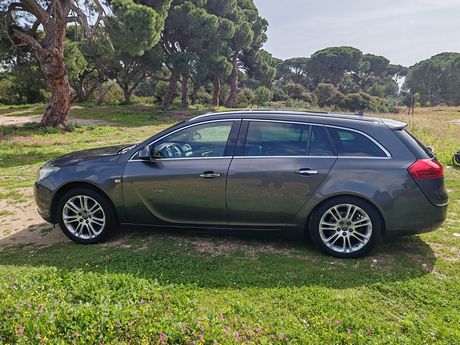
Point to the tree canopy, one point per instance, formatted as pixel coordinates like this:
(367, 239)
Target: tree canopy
(211, 50)
(436, 80)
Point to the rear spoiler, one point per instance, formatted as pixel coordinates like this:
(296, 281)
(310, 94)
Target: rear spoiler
(394, 125)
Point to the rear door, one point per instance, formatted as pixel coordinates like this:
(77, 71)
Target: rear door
(277, 167)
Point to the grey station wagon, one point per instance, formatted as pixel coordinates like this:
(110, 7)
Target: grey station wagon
(345, 180)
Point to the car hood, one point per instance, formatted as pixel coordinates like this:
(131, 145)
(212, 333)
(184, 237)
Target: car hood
(108, 154)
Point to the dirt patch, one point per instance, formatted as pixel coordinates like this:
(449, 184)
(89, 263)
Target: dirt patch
(21, 224)
(209, 245)
(20, 120)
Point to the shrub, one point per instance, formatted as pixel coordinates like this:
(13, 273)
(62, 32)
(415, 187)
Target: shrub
(263, 95)
(296, 104)
(224, 93)
(160, 91)
(146, 88)
(23, 84)
(204, 97)
(245, 98)
(112, 93)
(294, 90)
(362, 101)
(326, 94)
(310, 98)
(388, 89)
(279, 94)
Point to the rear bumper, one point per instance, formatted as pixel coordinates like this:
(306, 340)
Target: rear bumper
(44, 198)
(425, 219)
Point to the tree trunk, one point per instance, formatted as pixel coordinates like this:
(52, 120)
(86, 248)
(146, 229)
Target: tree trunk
(196, 87)
(231, 101)
(101, 93)
(52, 18)
(62, 95)
(168, 97)
(216, 95)
(127, 92)
(184, 87)
(83, 93)
(78, 86)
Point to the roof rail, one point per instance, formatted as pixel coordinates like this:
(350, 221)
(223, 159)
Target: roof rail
(257, 111)
(289, 112)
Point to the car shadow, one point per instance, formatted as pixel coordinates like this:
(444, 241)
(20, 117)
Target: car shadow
(223, 260)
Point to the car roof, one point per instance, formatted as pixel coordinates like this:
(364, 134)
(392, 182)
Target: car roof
(299, 115)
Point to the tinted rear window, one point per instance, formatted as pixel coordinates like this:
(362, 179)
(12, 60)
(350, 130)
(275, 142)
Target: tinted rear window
(276, 139)
(320, 144)
(351, 143)
(417, 148)
(266, 138)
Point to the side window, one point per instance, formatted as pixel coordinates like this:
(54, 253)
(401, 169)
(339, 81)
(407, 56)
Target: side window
(206, 140)
(320, 144)
(276, 139)
(350, 143)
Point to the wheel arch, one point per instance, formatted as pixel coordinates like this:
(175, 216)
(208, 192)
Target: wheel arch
(350, 195)
(78, 184)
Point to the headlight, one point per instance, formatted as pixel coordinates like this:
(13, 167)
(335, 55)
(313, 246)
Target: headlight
(45, 171)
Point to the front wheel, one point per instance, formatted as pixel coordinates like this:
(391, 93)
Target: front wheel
(345, 227)
(85, 216)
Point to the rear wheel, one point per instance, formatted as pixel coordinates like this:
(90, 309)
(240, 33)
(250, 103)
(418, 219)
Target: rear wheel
(85, 216)
(345, 227)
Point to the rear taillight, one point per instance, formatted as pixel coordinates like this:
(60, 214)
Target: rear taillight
(426, 168)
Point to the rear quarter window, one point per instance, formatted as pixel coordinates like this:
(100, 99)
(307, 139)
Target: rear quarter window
(354, 144)
(413, 144)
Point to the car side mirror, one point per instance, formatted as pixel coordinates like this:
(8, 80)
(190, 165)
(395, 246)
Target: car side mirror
(149, 154)
(431, 149)
(144, 153)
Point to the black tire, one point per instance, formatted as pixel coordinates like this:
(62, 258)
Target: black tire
(374, 231)
(102, 230)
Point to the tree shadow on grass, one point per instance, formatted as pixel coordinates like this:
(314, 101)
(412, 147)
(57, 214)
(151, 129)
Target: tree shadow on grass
(263, 260)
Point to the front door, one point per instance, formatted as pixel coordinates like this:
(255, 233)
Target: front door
(276, 169)
(185, 182)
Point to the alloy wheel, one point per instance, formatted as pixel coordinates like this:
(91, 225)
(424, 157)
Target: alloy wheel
(345, 228)
(84, 217)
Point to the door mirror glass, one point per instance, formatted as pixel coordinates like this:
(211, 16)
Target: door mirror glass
(144, 153)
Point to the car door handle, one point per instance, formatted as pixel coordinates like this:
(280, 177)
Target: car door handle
(210, 174)
(306, 172)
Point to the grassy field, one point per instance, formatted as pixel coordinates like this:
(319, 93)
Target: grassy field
(165, 287)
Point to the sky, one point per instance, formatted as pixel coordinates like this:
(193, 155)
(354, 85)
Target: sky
(404, 31)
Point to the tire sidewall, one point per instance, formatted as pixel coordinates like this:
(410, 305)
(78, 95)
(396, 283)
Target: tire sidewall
(102, 200)
(313, 226)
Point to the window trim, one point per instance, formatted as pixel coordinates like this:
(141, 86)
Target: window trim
(245, 125)
(231, 140)
(241, 131)
(380, 146)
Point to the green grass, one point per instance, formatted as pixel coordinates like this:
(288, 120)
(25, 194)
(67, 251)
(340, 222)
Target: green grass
(179, 288)
(21, 110)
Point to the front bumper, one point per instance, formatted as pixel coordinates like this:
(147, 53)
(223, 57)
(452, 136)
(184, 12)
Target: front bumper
(44, 199)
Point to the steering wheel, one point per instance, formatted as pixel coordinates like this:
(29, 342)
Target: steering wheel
(171, 150)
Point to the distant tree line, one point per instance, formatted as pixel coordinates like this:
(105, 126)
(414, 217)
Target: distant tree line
(182, 52)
